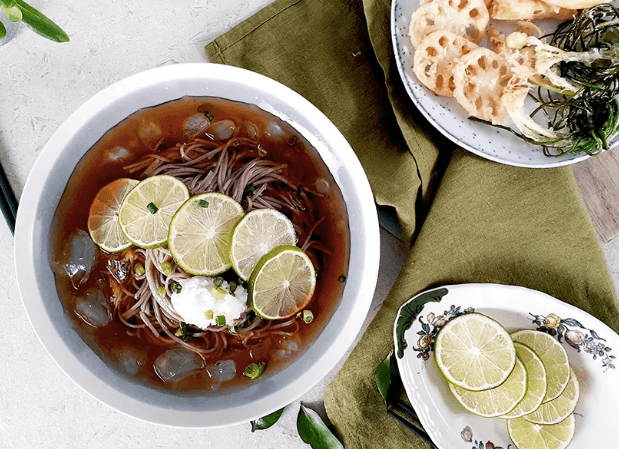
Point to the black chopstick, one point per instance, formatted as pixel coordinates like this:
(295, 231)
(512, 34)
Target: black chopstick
(8, 202)
(420, 433)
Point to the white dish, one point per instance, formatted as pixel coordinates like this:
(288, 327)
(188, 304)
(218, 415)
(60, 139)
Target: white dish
(447, 423)
(47, 182)
(451, 119)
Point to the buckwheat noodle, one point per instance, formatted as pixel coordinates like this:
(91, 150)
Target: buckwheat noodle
(239, 168)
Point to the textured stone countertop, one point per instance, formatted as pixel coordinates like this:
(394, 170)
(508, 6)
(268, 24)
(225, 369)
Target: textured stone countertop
(42, 83)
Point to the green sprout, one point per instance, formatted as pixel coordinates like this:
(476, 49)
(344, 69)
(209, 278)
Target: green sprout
(20, 11)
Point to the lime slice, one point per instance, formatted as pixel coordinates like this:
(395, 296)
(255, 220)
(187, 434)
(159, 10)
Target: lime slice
(282, 283)
(498, 400)
(200, 233)
(256, 234)
(553, 356)
(146, 211)
(536, 382)
(474, 352)
(527, 435)
(558, 409)
(103, 222)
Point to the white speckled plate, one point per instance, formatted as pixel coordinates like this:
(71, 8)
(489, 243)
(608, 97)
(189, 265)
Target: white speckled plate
(451, 119)
(590, 344)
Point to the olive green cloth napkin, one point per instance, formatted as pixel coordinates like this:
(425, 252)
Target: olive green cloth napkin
(467, 219)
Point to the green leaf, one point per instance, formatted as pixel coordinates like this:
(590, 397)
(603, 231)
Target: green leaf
(314, 432)
(2, 31)
(266, 421)
(13, 14)
(40, 23)
(388, 378)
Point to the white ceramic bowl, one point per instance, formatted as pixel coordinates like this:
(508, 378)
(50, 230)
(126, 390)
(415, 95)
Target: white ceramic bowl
(47, 182)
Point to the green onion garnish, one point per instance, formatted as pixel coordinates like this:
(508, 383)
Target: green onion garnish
(307, 316)
(342, 279)
(220, 320)
(249, 189)
(232, 286)
(166, 268)
(176, 287)
(152, 208)
(184, 332)
(219, 281)
(161, 290)
(261, 151)
(254, 370)
(139, 270)
(209, 314)
(203, 203)
(209, 116)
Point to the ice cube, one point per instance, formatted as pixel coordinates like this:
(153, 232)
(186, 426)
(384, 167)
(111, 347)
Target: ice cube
(150, 135)
(77, 258)
(194, 125)
(222, 130)
(117, 154)
(222, 371)
(131, 360)
(93, 308)
(177, 364)
(118, 268)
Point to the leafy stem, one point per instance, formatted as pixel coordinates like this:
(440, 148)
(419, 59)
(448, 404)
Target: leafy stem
(20, 11)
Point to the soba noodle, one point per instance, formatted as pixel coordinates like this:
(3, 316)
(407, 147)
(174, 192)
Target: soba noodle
(237, 169)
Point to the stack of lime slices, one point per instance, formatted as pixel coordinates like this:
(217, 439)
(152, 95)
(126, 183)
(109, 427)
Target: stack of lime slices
(524, 378)
(207, 234)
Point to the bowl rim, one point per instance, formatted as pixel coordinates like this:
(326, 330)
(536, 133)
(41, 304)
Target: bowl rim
(27, 254)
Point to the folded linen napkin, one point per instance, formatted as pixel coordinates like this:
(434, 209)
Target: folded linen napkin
(467, 219)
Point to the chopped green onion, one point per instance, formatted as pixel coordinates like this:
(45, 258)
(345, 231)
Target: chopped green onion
(342, 279)
(152, 208)
(209, 314)
(184, 332)
(166, 268)
(249, 189)
(237, 328)
(254, 370)
(139, 270)
(161, 290)
(203, 203)
(261, 151)
(176, 287)
(220, 320)
(307, 316)
(209, 116)
(219, 281)
(232, 286)
(218, 292)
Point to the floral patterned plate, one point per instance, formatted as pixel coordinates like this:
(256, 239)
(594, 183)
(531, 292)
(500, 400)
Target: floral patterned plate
(446, 115)
(591, 346)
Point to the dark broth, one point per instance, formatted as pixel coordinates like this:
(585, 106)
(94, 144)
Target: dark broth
(104, 163)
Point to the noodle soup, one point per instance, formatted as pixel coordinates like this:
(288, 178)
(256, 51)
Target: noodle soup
(120, 303)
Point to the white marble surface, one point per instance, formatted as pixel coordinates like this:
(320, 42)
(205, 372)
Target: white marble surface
(41, 84)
